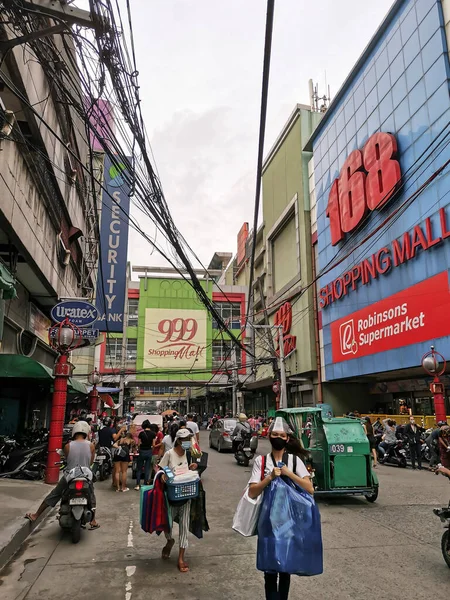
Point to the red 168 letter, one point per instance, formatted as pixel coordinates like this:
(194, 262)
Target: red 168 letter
(383, 171)
(352, 192)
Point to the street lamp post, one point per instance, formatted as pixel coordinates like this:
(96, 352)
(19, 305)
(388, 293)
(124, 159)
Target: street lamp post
(94, 379)
(63, 337)
(431, 362)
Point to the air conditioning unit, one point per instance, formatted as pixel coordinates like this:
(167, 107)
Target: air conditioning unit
(63, 252)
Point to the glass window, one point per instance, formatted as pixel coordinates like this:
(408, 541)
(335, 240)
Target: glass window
(222, 355)
(230, 313)
(113, 355)
(131, 350)
(133, 309)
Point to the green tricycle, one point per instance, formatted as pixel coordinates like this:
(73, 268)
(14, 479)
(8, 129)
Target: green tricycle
(340, 458)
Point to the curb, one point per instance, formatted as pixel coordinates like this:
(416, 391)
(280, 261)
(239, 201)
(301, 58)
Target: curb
(17, 532)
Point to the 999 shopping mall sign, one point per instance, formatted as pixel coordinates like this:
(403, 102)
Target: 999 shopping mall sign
(416, 314)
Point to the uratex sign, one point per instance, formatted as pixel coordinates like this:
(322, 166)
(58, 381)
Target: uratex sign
(79, 312)
(111, 283)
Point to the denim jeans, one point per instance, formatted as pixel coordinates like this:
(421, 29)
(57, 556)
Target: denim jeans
(144, 458)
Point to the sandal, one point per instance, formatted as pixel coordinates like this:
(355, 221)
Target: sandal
(137, 488)
(183, 567)
(92, 527)
(28, 516)
(126, 490)
(167, 549)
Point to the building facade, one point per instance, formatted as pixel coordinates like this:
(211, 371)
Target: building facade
(379, 183)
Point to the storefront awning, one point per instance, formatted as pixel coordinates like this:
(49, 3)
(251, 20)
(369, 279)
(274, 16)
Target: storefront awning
(76, 386)
(7, 284)
(16, 366)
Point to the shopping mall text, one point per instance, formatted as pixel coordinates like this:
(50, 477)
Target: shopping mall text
(400, 250)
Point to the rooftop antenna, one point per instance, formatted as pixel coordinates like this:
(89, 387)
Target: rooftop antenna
(318, 103)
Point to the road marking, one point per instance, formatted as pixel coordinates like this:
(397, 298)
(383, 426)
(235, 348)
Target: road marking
(130, 571)
(130, 534)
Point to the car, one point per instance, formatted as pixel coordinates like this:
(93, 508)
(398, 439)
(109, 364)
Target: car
(220, 435)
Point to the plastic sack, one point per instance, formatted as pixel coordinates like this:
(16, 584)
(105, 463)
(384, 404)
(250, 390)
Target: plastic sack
(195, 449)
(245, 520)
(289, 532)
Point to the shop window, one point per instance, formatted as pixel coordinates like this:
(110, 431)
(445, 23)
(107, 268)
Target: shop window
(133, 310)
(230, 313)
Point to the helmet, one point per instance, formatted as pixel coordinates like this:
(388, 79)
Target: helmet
(242, 417)
(81, 427)
(107, 422)
(442, 423)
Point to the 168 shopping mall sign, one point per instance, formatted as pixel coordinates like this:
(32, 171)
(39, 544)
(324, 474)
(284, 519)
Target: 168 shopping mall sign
(414, 315)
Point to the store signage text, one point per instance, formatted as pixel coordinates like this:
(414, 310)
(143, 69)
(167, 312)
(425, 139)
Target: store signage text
(111, 282)
(283, 317)
(79, 312)
(421, 237)
(414, 315)
(368, 179)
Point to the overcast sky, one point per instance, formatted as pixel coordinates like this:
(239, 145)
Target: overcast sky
(200, 64)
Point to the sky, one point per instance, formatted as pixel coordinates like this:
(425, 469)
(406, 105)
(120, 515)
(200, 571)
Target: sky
(200, 71)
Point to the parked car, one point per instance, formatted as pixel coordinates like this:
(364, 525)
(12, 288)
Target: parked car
(220, 435)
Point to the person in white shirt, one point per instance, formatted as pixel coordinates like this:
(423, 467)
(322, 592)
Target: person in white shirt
(169, 439)
(190, 424)
(287, 449)
(177, 461)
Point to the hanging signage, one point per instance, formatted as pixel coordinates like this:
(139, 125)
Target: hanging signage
(414, 315)
(422, 237)
(283, 317)
(38, 323)
(79, 312)
(87, 334)
(175, 338)
(111, 281)
(368, 179)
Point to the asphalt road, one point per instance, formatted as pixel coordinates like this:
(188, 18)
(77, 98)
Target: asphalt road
(389, 549)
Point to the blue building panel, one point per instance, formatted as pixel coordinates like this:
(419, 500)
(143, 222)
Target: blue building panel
(402, 88)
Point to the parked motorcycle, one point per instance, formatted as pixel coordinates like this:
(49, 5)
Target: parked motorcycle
(444, 515)
(75, 510)
(244, 452)
(395, 455)
(103, 465)
(28, 463)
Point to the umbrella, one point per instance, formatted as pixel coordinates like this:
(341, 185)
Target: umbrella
(169, 412)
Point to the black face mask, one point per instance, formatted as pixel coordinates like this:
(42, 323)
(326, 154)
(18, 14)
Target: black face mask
(278, 443)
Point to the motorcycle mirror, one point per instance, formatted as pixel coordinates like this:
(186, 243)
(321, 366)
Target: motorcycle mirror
(59, 451)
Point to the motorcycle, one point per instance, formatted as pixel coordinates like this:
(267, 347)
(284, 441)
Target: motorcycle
(244, 453)
(395, 455)
(103, 465)
(444, 515)
(28, 463)
(75, 510)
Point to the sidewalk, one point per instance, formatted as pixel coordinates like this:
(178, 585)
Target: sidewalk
(18, 497)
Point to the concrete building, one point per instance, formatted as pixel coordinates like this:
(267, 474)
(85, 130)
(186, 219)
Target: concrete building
(379, 182)
(43, 207)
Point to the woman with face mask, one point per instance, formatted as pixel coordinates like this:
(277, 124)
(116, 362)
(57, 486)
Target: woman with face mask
(285, 449)
(177, 460)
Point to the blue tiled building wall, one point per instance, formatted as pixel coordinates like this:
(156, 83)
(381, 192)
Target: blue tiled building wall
(402, 88)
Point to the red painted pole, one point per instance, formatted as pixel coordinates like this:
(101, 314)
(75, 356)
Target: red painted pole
(93, 397)
(62, 373)
(439, 401)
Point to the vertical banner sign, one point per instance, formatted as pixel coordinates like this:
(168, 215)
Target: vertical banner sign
(112, 272)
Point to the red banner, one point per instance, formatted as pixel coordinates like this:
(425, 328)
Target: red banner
(414, 315)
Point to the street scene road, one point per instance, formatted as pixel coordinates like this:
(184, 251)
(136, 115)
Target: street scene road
(390, 546)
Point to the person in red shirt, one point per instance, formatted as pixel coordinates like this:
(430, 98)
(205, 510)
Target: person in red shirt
(158, 447)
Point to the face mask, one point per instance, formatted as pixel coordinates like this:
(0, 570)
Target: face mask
(185, 445)
(278, 443)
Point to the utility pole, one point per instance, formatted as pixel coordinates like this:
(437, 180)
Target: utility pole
(282, 364)
(235, 380)
(188, 400)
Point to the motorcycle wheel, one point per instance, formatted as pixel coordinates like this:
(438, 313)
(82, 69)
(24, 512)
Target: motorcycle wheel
(445, 547)
(402, 463)
(102, 473)
(219, 446)
(245, 462)
(76, 532)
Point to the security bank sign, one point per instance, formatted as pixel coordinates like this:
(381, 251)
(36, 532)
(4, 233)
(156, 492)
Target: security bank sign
(111, 281)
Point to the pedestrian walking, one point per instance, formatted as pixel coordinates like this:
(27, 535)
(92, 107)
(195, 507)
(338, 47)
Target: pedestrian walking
(192, 425)
(413, 433)
(288, 450)
(158, 447)
(169, 439)
(367, 424)
(146, 441)
(177, 460)
(121, 460)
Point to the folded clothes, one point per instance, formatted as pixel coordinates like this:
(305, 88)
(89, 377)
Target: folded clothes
(185, 478)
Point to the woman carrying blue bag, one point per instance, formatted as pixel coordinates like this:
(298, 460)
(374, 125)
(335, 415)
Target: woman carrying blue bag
(289, 534)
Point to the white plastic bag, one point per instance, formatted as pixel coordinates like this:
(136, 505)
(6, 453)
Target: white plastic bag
(245, 520)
